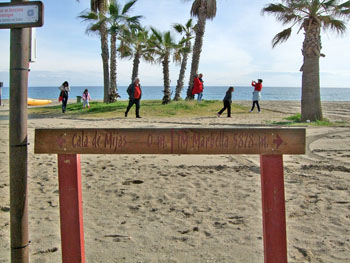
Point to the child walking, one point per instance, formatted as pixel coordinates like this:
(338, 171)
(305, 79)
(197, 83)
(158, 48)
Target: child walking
(86, 98)
(227, 102)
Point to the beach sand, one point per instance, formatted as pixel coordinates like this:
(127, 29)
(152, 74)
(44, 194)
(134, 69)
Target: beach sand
(189, 208)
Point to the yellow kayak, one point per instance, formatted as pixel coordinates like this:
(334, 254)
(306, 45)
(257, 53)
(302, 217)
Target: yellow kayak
(35, 102)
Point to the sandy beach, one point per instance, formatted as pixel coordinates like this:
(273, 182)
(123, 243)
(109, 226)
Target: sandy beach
(189, 208)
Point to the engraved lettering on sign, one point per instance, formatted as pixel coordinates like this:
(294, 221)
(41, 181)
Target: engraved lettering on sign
(96, 140)
(243, 141)
(80, 140)
(213, 140)
(182, 140)
(114, 141)
(263, 142)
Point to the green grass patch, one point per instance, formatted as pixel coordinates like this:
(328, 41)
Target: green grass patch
(149, 109)
(295, 120)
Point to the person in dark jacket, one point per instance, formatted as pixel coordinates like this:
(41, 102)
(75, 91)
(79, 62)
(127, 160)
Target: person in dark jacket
(135, 92)
(227, 102)
(65, 89)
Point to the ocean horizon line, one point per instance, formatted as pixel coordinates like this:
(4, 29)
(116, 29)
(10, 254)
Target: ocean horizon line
(209, 93)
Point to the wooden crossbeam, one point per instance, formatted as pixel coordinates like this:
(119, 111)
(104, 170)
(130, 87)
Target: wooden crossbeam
(171, 141)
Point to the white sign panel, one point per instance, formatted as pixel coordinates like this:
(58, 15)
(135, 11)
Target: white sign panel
(19, 14)
(23, 14)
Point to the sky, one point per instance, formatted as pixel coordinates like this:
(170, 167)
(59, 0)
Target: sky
(236, 48)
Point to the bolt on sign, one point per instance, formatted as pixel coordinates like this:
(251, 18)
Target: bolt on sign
(20, 15)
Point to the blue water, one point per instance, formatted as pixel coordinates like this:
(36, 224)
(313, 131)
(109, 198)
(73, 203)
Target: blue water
(210, 93)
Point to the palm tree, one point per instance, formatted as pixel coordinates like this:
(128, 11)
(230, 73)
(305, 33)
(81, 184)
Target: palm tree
(203, 10)
(117, 21)
(310, 16)
(163, 45)
(100, 7)
(188, 31)
(134, 44)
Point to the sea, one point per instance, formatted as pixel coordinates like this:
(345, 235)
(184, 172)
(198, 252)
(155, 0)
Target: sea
(210, 93)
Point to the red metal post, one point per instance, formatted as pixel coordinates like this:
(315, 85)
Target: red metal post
(71, 208)
(273, 209)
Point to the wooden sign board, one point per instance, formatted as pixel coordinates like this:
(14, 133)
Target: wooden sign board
(171, 141)
(21, 14)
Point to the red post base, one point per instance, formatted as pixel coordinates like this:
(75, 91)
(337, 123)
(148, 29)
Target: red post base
(71, 208)
(273, 209)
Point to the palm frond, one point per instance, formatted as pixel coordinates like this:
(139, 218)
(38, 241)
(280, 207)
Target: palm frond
(274, 8)
(211, 9)
(281, 37)
(114, 9)
(329, 22)
(88, 16)
(189, 23)
(179, 28)
(157, 34)
(195, 7)
(128, 6)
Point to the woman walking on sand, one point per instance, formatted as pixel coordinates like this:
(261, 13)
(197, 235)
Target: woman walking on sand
(227, 102)
(135, 92)
(256, 94)
(64, 88)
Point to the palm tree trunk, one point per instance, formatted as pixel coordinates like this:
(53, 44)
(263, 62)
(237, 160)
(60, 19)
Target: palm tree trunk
(197, 49)
(105, 52)
(311, 108)
(135, 67)
(113, 72)
(166, 97)
(310, 99)
(180, 82)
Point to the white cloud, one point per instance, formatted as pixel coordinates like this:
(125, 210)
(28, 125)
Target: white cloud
(236, 49)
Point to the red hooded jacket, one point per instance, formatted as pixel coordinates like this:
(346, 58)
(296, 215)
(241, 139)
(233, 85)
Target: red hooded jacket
(197, 86)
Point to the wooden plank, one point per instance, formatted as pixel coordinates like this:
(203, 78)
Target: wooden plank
(273, 209)
(71, 208)
(171, 141)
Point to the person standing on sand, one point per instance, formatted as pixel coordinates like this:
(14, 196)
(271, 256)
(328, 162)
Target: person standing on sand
(86, 98)
(135, 93)
(227, 102)
(201, 87)
(256, 94)
(65, 89)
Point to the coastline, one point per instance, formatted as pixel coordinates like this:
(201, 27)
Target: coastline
(193, 208)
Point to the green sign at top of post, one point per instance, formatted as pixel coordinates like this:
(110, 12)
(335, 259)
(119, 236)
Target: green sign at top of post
(20, 15)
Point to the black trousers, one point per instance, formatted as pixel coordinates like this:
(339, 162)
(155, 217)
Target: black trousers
(257, 104)
(131, 103)
(64, 104)
(227, 105)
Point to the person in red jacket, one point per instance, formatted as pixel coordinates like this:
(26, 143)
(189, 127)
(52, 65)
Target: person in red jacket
(135, 92)
(198, 86)
(256, 94)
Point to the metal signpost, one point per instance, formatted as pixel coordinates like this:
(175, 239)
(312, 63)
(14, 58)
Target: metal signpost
(19, 16)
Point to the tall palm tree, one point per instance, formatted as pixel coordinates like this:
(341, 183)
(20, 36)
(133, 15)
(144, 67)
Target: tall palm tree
(118, 20)
(187, 30)
(100, 7)
(203, 10)
(135, 44)
(163, 46)
(310, 16)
